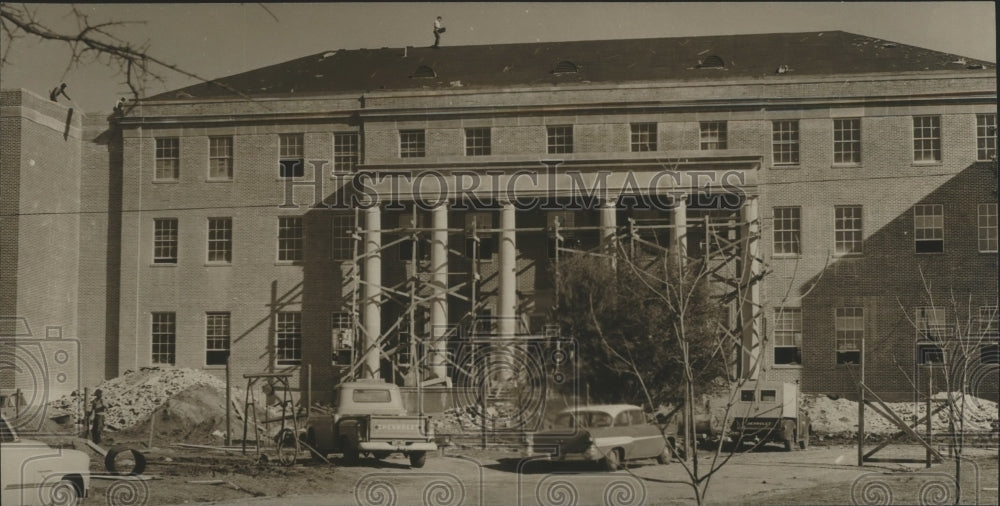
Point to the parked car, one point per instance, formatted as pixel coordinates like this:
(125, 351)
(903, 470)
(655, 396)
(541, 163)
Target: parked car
(608, 433)
(33, 473)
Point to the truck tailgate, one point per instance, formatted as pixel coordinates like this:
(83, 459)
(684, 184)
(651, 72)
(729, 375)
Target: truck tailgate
(396, 428)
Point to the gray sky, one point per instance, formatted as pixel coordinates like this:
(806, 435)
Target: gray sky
(215, 40)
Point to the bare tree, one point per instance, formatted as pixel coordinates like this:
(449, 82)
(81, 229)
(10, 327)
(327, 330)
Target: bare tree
(702, 343)
(91, 42)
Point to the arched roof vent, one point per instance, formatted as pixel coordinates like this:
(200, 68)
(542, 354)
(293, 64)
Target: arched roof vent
(565, 67)
(424, 71)
(712, 62)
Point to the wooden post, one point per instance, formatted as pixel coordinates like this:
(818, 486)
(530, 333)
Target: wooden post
(152, 425)
(930, 390)
(229, 403)
(861, 404)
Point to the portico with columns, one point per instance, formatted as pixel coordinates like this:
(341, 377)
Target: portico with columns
(478, 261)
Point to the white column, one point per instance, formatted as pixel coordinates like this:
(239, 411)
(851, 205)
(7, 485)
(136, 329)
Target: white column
(750, 311)
(678, 237)
(372, 293)
(609, 224)
(507, 290)
(439, 283)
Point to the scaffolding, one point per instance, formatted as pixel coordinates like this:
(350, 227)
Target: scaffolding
(723, 245)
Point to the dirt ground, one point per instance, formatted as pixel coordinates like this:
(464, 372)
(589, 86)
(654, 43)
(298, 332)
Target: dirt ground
(821, 474)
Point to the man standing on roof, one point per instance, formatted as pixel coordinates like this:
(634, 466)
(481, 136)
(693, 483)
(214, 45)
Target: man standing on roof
(438, 30)
(58, 90)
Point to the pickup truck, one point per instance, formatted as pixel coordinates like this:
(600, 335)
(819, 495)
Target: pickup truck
(368, 418)
(768, 411)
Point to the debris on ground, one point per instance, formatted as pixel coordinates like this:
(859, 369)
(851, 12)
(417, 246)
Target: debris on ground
(840, 416)
(179, 404)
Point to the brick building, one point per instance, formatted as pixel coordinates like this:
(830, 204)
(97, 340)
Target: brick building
(858, 174)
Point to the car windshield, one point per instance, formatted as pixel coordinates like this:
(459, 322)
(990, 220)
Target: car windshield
(584, 419)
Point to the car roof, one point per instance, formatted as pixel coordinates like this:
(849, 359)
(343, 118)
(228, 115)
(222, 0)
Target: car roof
(611, 409)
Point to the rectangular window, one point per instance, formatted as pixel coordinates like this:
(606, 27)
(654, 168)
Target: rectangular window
(931, 323)
(988, 228)
(989, 322)
(788, 336)
(487, 240)
(850, 329)
(343, 240)
(643, 137)
(928, 228)
(216, 338)
(926, 138)
(785, 142)
(290, 234)
(478, 141)
(168, 159)
(165, 241)
(291, 158)
(220, 240)
(768, 396)
(847, 230)
(930, 353)
(560, 139)
(989, 354)
(411, 144)
(747, 395)
(713, 135)
(847, 141)
(220, 158)
(986, 137)
(346, 151)
(787, 231)
(164, 338)
(288, 338)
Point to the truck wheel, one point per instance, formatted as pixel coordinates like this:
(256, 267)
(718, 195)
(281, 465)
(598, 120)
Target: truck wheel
(351, 452)
(788, 445)
(418, 459)
(612, 461)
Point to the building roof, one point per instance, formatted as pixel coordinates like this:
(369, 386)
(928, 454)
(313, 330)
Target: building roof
(593, 61)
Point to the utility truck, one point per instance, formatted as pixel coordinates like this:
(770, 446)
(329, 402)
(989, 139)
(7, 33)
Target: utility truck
(770, 411)
(368, 418)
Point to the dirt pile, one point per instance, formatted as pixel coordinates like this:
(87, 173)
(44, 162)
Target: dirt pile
(840, 416)
(186, 404)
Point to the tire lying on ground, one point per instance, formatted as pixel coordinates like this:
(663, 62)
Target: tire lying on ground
(111, 461)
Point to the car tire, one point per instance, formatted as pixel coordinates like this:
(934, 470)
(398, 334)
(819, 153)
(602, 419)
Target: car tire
(65, 493)
(664, 457)
(612, 461)
(418, 459)
(788, 445)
